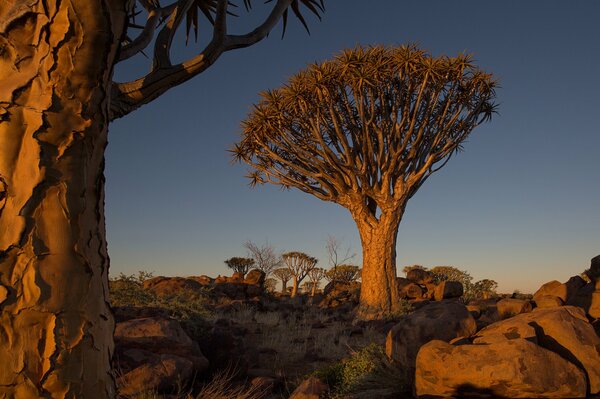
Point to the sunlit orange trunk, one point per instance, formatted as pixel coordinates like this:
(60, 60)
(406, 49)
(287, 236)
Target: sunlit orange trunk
(378, 294)
(55, 71)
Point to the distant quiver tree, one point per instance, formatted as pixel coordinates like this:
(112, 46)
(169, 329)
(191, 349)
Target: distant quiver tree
(284, 274)
(239, 265)
(299, 264)
(366, 130)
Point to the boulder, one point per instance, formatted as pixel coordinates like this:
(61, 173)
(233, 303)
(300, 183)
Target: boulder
(255, 276)
(514, 368)
(338, 293)
(311, 388)
(159, 373)
(159, 336)
(587, 298)
(171, 286)
(402, 282)
(475, 310)
(412, 291)
(236, 277)
(509, 307)
(564, 330)
(438, 320)
(448, 290)
(419, 276)
(548, 301)
(594, 271)
(560, 290)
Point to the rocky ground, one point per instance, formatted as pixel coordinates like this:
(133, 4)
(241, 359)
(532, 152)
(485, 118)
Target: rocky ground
(200, 337)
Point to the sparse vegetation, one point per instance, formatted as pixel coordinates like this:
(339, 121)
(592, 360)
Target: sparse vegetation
(366, 371)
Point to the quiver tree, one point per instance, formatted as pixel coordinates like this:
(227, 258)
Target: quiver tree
(366, 130)
(239, 265)
(265, 257)
(315, 276)
(284, 275)
(299, 264)
(57, 97)
(343, 274)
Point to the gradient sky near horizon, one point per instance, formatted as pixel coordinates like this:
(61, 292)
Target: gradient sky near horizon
(520, 205)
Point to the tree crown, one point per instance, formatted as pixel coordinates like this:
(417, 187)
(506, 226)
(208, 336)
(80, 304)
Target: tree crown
(239, 265)
(369, 126)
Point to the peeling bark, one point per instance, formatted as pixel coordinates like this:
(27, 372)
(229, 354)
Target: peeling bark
(56, 327)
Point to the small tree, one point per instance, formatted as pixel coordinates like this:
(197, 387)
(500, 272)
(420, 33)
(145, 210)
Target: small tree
(299, 264)
(343, 273)
(315, 276)
(485, 288)
(240, 265)
(366, 130)
(265, 257)
(284, 274)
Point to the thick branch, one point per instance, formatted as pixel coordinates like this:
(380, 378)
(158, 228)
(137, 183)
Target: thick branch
(127, 97)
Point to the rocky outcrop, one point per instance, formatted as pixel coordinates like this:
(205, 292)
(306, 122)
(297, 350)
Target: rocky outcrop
(155, 353)
(447, 290)
(419, 285)
(515, 368)
(546, 353)
(171, 286)
(337, 293)
(509, 307)
(437, 320)
(574, 292)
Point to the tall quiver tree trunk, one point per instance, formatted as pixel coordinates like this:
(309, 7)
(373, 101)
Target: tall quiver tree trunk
(56, 327)
(379, 293)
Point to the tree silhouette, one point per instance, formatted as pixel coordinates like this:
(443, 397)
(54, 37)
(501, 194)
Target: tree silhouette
(57, 98)
(315, 275)
(264, 256)
(299, 264)
(284, 275)
(239, 265)
(366, 130)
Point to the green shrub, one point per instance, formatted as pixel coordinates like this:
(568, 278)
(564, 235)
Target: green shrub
(366, 370)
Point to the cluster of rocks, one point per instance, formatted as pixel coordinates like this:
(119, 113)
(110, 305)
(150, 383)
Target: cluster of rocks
(337, 293)
(576, 292)
(419, 285)
(514, 348)
(152, 351)
(236, 287)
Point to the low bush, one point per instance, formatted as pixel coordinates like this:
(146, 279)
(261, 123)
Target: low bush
(366, 370)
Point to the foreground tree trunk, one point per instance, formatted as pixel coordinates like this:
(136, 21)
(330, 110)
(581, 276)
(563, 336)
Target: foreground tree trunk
(379, 294)
(56, 329)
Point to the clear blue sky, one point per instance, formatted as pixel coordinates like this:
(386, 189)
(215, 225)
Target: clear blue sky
(520, 205)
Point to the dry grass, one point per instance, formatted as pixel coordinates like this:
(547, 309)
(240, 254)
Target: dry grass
(221, 386)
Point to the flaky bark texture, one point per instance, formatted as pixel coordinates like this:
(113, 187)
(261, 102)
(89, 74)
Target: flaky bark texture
(56, 327)
(379, 294)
